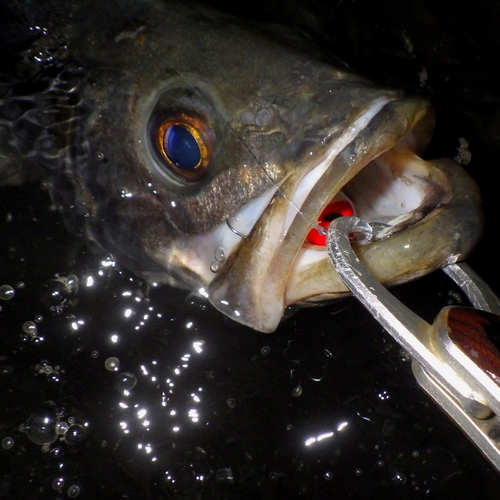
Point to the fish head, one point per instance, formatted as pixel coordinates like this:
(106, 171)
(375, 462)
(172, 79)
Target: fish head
(209, 151)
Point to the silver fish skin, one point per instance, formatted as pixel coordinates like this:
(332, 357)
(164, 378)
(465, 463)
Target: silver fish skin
(281, 130)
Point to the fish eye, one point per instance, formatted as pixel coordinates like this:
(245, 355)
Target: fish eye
(185, 143)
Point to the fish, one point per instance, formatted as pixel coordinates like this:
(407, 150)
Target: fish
(210, 153)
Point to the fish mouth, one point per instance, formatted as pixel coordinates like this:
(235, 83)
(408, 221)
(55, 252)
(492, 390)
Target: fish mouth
(428, 213)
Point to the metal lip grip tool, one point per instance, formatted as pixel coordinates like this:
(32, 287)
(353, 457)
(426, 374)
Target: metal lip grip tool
(457, 358)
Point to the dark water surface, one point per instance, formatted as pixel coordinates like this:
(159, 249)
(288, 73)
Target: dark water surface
(121, 391)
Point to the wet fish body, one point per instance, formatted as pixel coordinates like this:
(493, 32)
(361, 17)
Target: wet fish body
(201, 151)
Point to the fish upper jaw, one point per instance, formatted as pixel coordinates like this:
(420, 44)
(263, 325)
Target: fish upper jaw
(259, 261)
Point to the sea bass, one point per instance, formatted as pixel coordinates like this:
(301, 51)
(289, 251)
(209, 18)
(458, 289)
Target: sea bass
(207, 153)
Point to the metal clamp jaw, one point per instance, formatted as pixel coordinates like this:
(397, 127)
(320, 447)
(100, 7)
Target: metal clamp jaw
(457, 358)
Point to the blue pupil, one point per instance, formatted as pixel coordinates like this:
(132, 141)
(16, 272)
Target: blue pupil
(181, 147)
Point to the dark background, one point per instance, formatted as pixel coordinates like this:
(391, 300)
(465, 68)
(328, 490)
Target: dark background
(262, 396)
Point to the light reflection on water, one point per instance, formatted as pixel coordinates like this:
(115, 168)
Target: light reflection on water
(192, 403)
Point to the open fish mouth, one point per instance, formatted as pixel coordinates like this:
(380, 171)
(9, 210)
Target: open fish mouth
(212, 172)
(271, 254)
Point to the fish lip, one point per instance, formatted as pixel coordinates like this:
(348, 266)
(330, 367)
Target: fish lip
(254, 285)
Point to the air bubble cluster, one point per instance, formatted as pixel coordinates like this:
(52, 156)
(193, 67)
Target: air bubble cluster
(45, 426)
(53, 373)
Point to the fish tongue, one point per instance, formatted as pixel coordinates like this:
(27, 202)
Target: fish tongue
(252, 284)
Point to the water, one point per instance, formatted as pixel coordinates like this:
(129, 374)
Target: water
(247, 418)
(248, 440)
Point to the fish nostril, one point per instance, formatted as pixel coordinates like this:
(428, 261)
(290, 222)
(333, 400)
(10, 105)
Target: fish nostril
(339, 208)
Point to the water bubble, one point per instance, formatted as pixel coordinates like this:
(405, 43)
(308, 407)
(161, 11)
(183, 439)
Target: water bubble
(404, 355)
(231, 402)
(265, 350)
(124, 193)
(7, 443)
(45, 370)
(75, 434)
(380, 463)
(358, 472)
(71, 420)
(112, 364)
(62, 427)
(328, 476)
(45, 448)
(58, 483)
(72, 282)
(455, 297)
(219, 254)
(56, 292)
(74, 491)
(297, 391)
(415, 453)
(55, 453)
(273, 476)
(30, 328)
(104, 443)
(20, 285)
(41, 427)
(399, 478)
(38, 318)
(94, 354)
(224, 475)
(6, 292)
(6, 368)
(125, 381)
